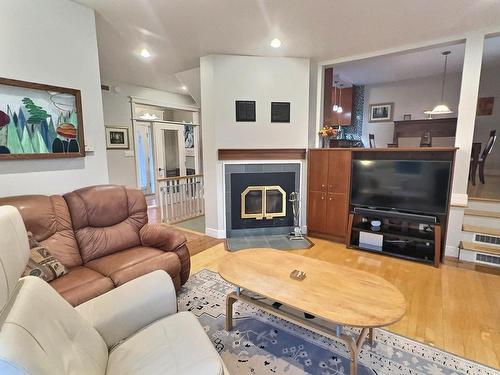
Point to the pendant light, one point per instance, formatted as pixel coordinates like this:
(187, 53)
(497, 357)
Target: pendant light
(442, 108)
(335, 106)
(339, 109)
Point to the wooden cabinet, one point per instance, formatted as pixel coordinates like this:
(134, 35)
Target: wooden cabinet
(329, 173)
(330, 98)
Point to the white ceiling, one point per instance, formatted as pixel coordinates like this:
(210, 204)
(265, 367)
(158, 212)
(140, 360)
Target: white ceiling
(415, 64)
(179, 32)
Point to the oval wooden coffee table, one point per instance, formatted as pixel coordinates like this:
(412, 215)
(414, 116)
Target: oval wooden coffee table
(338, 294)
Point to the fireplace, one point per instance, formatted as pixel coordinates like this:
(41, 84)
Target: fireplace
(257, 198)
(263, 202)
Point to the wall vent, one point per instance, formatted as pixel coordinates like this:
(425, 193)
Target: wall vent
(491, 240)
(488, 259)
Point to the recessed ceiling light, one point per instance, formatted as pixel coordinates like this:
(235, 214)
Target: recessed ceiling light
(275, 43)
(145, 53)
(184, 88)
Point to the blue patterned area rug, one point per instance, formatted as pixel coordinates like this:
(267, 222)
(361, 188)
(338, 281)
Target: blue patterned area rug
(263, 344)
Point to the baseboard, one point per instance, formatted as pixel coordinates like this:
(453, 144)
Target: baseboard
(451, 251)
(216, 233)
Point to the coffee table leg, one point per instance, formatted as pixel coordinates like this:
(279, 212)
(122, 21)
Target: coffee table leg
(371, 338)
(230, 300)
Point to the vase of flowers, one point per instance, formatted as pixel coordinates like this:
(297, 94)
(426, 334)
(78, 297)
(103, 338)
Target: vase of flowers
(326, 133)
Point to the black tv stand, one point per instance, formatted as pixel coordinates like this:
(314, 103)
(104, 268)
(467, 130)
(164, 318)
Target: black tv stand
(404, 235)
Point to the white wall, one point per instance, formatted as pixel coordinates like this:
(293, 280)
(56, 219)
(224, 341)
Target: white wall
(412, 96)
(490, 86)
(117, 112)
(54, 42)
(225, 79)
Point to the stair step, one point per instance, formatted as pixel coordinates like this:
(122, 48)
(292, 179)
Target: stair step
(483, 213)
(482, 230)
(483, 205)
(472, 246)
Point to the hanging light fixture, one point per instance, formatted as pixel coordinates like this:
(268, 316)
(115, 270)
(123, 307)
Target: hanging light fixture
(339, 109)
(335, 106)
(442, 108)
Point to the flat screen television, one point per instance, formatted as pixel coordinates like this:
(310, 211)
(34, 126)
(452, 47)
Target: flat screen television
(419, 186)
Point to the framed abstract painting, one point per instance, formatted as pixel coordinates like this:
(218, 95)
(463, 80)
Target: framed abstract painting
(39, 121)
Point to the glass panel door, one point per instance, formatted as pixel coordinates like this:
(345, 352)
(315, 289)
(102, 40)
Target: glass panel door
(144, 157)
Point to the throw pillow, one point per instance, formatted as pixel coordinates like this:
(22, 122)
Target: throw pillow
(41, 263)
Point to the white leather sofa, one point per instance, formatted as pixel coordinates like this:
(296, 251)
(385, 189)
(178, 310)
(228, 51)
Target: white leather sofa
(133, 329)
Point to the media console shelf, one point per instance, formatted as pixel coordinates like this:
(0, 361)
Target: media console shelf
(406, 236)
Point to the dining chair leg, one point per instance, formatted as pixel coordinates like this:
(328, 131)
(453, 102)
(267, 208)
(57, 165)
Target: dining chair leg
(473, 171)
(481, 172)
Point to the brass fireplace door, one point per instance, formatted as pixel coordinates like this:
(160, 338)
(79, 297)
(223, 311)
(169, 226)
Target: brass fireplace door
(263, 202)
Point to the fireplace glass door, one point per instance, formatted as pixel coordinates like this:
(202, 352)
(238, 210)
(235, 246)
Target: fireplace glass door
(263, 202)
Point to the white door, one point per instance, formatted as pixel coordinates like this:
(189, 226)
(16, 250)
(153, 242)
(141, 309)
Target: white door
(169, 150)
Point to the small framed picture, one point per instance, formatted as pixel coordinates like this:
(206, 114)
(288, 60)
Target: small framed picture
(485, 106)
(407, 117)
(280, 111)
(117, 138)
(381, 112)
(245, 110)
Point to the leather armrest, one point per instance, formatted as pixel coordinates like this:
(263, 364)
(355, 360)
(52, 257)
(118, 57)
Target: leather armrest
(161, 237)
(132, 306)
(164, 238)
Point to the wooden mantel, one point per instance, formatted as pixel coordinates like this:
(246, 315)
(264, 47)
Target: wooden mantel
(262, 154)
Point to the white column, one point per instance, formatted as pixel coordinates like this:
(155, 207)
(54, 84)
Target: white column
(465, 132)
(467, 114)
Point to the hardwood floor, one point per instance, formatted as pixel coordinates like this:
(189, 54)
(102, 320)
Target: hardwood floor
(488, 191)
(451, 308)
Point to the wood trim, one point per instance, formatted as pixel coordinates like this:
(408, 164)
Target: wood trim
(262, 154)
(178, 177)
(389, 149)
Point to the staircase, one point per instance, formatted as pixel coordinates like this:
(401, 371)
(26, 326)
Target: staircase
(481, 233)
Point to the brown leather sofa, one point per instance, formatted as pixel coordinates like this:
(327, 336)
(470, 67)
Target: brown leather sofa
(101, 233)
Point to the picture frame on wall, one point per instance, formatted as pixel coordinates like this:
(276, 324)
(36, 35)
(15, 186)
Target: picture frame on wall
(39, 121)
(117, 138)
(485, 106)
(381, 112)
(245, 110)
(280, 112)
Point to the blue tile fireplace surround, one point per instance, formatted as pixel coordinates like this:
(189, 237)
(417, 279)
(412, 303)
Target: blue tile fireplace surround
(240, 176)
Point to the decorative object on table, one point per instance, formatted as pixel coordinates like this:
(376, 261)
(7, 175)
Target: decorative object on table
(426, 139)
(441, 108)
(117, 138)
(39, 121)
(297, 275)
(485, 106)
(297, 232)
(280, 111)
(327, 132)
(375, 225)
(381, 112)
(245, 110)
(264, 344)
(407, 117)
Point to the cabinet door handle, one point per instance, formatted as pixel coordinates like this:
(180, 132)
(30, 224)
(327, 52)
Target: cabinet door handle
(322, 198)
(330, 198)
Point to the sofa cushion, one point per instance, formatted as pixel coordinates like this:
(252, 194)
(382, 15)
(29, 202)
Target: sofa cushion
(81, 284)
(137, 261)
(49, 220)
(106, 219)
(175, 345)
(41, 264)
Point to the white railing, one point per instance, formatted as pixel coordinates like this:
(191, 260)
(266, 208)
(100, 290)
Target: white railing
(181, 198)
